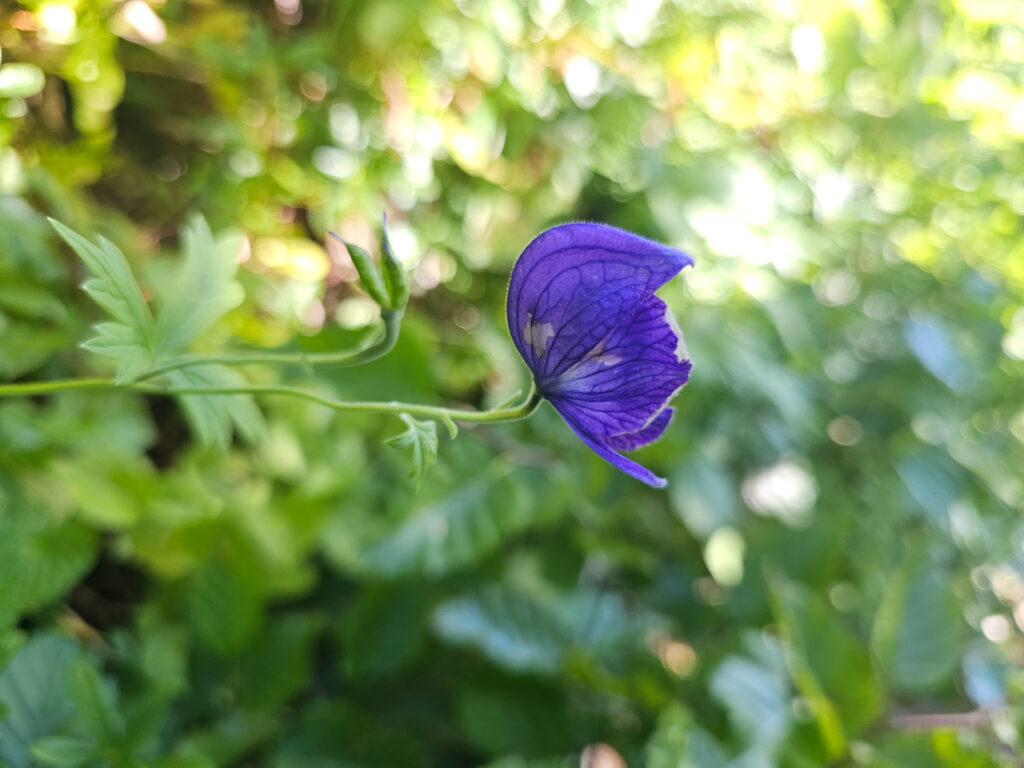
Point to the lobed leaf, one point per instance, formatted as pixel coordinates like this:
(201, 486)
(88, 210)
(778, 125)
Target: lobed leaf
(119, 342)
(113, 286)
(203, 290)
(214, 417)
(130, 341)
(421, 438)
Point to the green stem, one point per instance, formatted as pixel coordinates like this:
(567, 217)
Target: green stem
(521, 411)
(27, 389)
(392, 325)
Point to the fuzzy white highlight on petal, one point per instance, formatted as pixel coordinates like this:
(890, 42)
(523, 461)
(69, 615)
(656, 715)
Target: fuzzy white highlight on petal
(537, 335)
(681, 353)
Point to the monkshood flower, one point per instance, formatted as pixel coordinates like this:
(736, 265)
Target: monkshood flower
(603, 349)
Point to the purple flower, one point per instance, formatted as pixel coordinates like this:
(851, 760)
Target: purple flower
(603, 349)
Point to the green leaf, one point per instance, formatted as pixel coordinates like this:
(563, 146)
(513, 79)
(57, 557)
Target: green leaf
(30, 300)
(122, 344)
(65, 751)
(40, 558)
(918, 629)
(829, 665)
(96, 704)
(185, 758)
(332, 733)
(421, 438)
(203, 290)
(757, 698)
(129, 341)
(279, 662)
(224, 607)
(516, 761)
(513, 629)
(113, 286)
(678, 742)
(703, 496)
(938, 749)
(384, 630)
(20, 81)
(213, 417)
(464, 526)
(521, 717)
(34, 692)
(25, 346)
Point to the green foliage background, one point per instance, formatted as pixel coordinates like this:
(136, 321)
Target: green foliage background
(840, 547)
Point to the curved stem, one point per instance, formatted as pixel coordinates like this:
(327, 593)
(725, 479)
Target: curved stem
(521, 411)
(392, 319)
(513, 413)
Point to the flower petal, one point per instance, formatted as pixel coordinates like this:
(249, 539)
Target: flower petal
(627, 379)
(617, 460)
(574, 285)
(629, 441)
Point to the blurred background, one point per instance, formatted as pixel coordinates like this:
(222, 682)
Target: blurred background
(835, 575)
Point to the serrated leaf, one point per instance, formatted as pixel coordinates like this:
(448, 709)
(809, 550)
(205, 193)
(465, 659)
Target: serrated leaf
(459, 529)
(421, 439)
(204, 288)
(113, 287)
(34, 691)
(121, 343)
(212, 417)
(513, 629)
